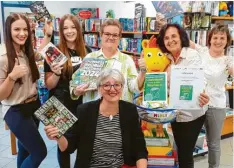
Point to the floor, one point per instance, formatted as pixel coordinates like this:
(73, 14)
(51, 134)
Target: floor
(9, 161)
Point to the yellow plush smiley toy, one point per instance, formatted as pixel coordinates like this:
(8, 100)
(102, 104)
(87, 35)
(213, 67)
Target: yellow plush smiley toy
(156, 60)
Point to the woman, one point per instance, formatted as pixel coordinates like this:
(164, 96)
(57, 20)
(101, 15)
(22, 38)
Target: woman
(108, 132)
(57, 77)
(18, 92)
(217, 68)
(111, 32)
(173, 40)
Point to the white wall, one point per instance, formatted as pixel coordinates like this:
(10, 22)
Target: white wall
(121, 9)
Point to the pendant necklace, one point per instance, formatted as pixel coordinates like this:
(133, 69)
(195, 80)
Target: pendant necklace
(111, 117)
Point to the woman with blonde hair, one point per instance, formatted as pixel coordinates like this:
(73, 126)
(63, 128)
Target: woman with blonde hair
(57, 77)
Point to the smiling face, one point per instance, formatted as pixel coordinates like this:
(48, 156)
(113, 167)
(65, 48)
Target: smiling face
(218, 42)
(19, 32)
(172, 40)
(111, 90)
(69, 31)
(110, 37)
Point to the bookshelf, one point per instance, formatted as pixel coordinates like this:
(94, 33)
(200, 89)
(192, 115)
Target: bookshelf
(131, 53)
(87, 32)
(221, 18)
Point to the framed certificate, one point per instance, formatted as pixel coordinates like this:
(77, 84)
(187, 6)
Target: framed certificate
(186, 84)
(155, 87)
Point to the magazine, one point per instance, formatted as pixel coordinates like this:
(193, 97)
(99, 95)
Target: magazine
(53, 55)
(55, 113)
(40, 10)
(88, 72)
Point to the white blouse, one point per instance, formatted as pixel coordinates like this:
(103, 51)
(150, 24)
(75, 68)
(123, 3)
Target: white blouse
(216, 73)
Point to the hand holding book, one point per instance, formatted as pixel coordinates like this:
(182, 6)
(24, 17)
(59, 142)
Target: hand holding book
(52, 132)
(56, 69)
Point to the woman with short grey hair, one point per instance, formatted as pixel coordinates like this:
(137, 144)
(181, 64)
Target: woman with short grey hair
(102, 128)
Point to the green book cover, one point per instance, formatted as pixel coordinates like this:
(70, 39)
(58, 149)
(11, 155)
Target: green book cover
(155, 87)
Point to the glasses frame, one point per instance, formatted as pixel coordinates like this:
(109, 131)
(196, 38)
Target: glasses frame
(108, 35)
(111, 87)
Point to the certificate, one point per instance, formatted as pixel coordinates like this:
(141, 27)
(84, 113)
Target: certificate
(186, 84)
(155, 87)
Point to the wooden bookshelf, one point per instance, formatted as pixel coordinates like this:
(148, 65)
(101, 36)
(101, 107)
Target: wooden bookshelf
(151, 33)
(127, 32)
(132, 53)
(86, 32)
(221, 18)
(94, 47)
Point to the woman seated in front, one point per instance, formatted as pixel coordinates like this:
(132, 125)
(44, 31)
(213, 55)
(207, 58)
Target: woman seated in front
(108, 133)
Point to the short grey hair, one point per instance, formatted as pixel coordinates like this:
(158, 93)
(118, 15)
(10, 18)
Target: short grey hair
(110, 73)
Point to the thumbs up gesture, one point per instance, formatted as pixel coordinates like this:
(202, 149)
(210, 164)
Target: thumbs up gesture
(141, 63)
(19, 70)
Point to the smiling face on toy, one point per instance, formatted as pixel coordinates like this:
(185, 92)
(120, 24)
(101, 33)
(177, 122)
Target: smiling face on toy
(156, 60)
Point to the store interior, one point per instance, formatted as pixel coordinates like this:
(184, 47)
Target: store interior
(140, 20)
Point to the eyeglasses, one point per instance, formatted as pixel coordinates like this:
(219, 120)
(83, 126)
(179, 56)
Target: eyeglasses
(108, 87)
(108, 35)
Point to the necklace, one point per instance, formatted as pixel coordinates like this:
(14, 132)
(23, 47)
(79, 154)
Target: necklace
(111, 117)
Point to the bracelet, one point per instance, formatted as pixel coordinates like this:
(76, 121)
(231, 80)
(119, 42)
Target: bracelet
(12, 79)
(57, 74)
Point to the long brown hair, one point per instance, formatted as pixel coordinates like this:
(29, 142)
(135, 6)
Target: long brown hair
(79, 47)
(27, 47)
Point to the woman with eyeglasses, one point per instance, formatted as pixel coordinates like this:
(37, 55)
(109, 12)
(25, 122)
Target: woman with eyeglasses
(108, 132)
(111, 31)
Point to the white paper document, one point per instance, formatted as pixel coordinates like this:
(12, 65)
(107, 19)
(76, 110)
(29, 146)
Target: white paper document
(186, 84)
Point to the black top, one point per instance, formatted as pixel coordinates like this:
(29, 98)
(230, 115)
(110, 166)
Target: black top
(61, 91)
(83, 133)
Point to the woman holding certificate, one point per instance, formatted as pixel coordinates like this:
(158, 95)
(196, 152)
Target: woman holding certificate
(57, 77)
(108, 131)
(217, 68)
(174, 41)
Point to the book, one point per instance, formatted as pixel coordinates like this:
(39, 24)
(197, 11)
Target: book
(88, 72)
(53, 55)
(40, 10)
(55, 113)
(84, 13)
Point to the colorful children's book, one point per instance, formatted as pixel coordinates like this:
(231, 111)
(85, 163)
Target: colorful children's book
(85, 13)
(55, 113)
(88, 72)
(53, 55)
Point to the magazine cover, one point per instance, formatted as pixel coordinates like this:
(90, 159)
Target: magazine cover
(88, 72)
(53, 55)
(40, 10)
(55, 113)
